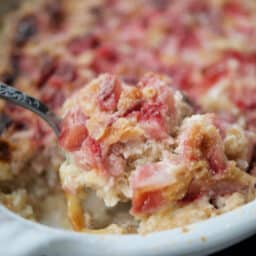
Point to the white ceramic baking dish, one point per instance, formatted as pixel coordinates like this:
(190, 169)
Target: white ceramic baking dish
(19, 237)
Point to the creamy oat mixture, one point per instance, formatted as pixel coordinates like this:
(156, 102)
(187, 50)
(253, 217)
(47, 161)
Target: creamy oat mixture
(167, 130)
(145, 144)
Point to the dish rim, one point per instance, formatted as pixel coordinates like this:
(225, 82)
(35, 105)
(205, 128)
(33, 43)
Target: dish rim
(204, 236)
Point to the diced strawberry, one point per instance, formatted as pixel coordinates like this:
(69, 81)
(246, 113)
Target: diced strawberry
(73, 131)
(52, 91)
(64, 73)
(132, 33)
(80, 44)
(153, 80)
(47, 65)
(147, 202)
(134, 108)
(90, 155)
(164, 92)
(71, 139)
(105, 59)
(152, 120)
(181, 75)
(214, 73)
(110, 90)
(107, 52)
(198, 7)
(185, 34)
(187, 38)
(151, 176)
(235, 8)
(159, 6)
(241, 57)
(148, 182)
(244, 97)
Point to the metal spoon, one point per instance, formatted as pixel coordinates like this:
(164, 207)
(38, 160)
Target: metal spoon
(19, 98)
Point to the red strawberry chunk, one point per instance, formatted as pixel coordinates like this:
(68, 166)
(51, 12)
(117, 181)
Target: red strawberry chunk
(239, 56)
(73, 130)
(214, 73)
(107, 53)
(244, 97)
(80, 44)
(147, 202)
(64, 73)
(90, 155)
(187, 38)
(165, 93)
(182, 77)
(151, 176)
(148, 182)
(52, 97)
(151, 118)
(105, 60)
(110, 90)
(234, 8)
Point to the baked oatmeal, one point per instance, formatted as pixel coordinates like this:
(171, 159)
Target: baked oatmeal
(167, 127)
(143, 143)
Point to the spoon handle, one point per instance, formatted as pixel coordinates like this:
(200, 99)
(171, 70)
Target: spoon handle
(19, 98)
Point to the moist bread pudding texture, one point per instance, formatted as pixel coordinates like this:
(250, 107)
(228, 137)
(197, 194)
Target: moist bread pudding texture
(143, 143)
(142, 135)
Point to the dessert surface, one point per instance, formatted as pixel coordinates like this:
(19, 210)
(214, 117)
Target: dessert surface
(163, 98)
(145, 144)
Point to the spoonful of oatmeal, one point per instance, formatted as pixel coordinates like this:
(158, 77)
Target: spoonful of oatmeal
(143, 144)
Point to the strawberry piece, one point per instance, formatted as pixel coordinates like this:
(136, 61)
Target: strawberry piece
(73, 131)
(151, 118)
(151, 176)
(80, 44)
(91, 155)
(148, 183)
(105, 59)
(234, 8)
(244, 97)
(147, 202)
(182, 76)
(110, 90)
(214, 73)
(64, 73)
